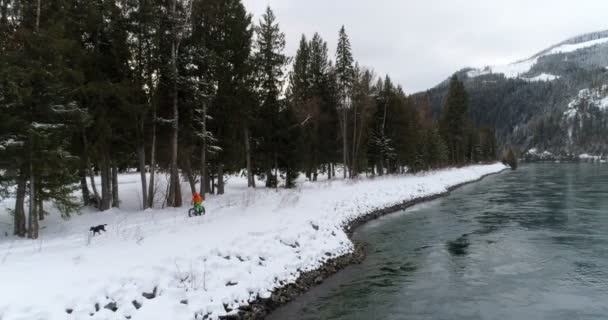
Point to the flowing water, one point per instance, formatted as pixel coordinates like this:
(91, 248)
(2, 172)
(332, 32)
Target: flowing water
(528, 244)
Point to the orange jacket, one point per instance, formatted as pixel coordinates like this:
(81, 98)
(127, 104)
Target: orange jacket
(196, 198)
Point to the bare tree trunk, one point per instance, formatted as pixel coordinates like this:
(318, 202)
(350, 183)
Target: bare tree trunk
(82, 172)
(40, 209)
(89, 171)
(204, 183)
(141, 79)
(276, 170)
(152, 161)
(141, 153)
(353, 162)
(94, 187)
(212, 182)
(357, 142)
(250, 175)
(19, 206)
(32, 227)
(190, 176)
(269, 177)
(174, 199)
(344, 141)
(86, 196)
(115, 196)
(33, 219)
(106, 185)
(220, 178)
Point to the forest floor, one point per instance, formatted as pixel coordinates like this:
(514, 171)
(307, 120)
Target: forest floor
(160, 264)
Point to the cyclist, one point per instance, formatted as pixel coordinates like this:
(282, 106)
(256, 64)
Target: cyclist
(197, 201)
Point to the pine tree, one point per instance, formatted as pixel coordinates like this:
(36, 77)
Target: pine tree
(344, 76)
(304, 106)
(37, 107)
(270, 60)
(142, 18)
(222, 81)
(453, 120)
(364, 108)
(323, 124)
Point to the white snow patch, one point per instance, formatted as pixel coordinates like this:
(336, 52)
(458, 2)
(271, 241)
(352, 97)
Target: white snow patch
(516, 69)
(512, 70)
(542, 77)
(591, 158)
(566, 48)
(588, 97)
(249, 243)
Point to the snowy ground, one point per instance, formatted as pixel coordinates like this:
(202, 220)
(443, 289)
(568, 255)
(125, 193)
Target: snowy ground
(249, 243)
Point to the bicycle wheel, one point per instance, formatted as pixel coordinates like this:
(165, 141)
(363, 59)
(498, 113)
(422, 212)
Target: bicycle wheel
(191, 212)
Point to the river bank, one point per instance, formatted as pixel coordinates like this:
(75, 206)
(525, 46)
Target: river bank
(229, 263)
(527, 244)
(261, 308)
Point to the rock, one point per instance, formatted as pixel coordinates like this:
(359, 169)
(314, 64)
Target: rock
(136, 304)
(151, 295)
(111, 306)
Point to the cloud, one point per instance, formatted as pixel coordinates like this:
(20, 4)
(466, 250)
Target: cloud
(420, 43)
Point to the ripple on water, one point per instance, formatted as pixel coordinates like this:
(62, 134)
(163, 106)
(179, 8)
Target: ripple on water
(526, 244)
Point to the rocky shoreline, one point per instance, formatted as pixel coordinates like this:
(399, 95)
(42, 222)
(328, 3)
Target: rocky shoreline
(260, 308)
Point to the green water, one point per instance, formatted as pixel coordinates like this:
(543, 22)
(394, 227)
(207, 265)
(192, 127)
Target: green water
(529, 244)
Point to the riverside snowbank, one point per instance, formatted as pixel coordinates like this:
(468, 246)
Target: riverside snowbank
(250, 243)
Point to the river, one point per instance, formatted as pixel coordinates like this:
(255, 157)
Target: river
(525, 244)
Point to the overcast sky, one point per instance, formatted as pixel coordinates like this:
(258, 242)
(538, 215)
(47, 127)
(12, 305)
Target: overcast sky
(421, 42)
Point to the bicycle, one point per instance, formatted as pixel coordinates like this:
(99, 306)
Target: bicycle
(193, 212)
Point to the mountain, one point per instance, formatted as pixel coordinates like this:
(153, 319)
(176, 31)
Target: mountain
(553, 105)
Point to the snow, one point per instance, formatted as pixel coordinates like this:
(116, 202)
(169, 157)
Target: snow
(566, 48)
(10, 142)
(534, 151)
(46, 126)
(588, 157)
(249, 243)
(512, 70)
(516, 69)
(596, 97)
(542, 77)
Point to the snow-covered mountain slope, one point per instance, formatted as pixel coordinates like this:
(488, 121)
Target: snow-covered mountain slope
(523, 67)
(161, 265)
(586, 99)
(526, 101)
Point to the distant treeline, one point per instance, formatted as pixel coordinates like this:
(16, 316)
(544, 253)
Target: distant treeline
(197, 90)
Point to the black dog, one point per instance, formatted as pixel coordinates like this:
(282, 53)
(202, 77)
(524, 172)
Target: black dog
(98, 229)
